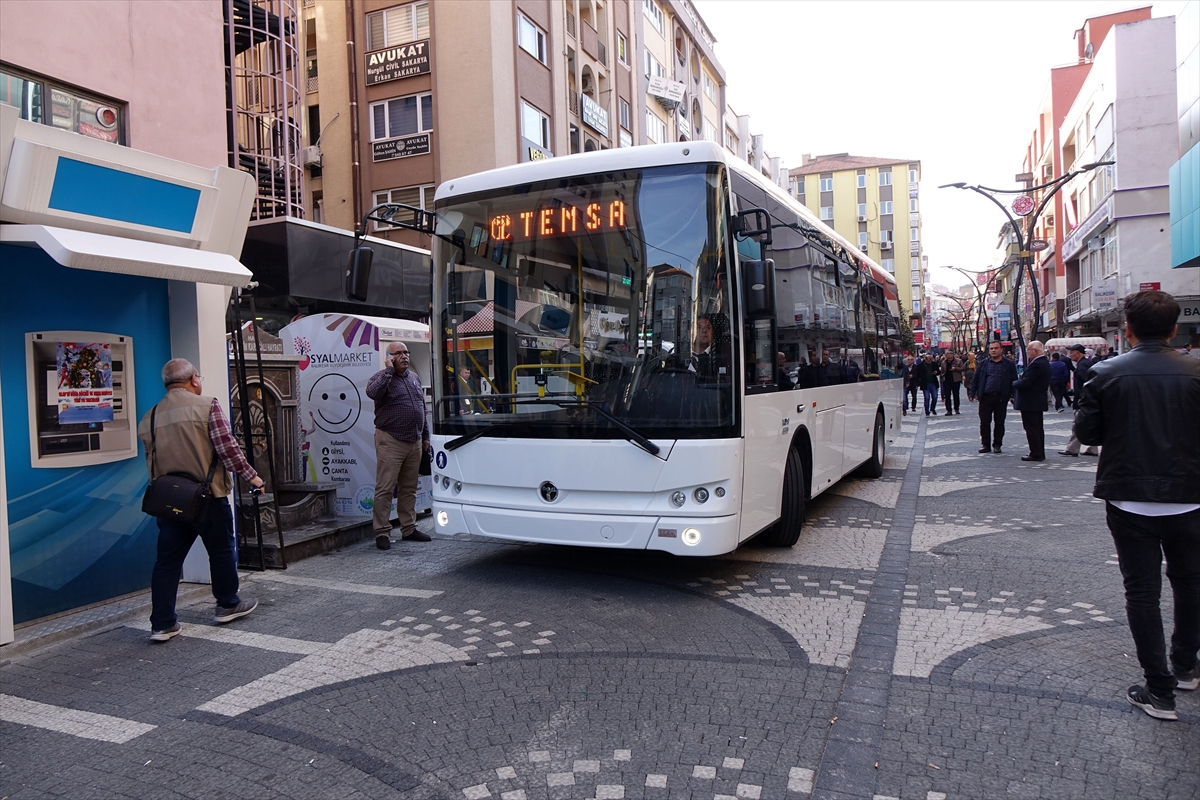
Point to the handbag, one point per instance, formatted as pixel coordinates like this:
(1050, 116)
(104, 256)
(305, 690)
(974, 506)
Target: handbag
(176, 495)
(426, 467)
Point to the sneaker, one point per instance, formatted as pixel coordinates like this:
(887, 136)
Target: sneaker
(173, 631)
(243, 608)
(1188, 679)
(1155, 706)
(383, 541)
(417, 536)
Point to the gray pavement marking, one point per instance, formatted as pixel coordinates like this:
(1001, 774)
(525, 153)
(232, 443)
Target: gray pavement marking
(263, 641)
(84, 724)
(848, 764)
(839, 547)
(346, 586)
(880, 492)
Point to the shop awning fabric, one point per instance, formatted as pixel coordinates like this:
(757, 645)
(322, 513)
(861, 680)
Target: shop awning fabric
(101, 253)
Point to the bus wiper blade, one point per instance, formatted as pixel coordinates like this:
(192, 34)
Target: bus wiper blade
(631, 435)
(454, 444)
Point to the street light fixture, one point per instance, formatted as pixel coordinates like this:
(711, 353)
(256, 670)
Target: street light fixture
(974, 276)
(1025, 236)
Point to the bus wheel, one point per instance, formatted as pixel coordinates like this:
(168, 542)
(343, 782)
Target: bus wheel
(874, 467)
(786, 532)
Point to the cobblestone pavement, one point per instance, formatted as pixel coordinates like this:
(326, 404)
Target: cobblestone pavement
(952, 630)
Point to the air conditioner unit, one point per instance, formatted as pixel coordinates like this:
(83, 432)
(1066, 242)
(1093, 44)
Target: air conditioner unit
(1047, 171)
(862, 247)
(862, 217)
(885, 245)
(312, 156)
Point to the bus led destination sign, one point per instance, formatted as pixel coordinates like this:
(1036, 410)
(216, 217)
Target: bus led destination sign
(541, 223)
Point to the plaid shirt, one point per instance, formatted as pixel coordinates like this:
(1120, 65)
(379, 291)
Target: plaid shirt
(399, 404)
(221, 436)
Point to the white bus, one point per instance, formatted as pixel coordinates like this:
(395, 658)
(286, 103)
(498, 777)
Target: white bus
(606, 329)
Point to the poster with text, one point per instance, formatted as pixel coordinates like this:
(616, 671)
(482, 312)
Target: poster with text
(84, 392)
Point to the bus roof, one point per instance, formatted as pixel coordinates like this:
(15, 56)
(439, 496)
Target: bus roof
(643, 157)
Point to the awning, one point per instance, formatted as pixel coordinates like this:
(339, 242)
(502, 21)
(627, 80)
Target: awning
(101, 253)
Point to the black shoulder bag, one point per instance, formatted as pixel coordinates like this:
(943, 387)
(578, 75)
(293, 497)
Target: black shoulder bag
(176, 495)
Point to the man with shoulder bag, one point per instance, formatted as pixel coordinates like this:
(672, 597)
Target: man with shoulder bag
(190, 453)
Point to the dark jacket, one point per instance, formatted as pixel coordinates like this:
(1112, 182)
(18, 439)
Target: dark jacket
(1031, 387)
(1059, 371)
(926, 372)
(1080, 373)
(1009, 374)
(1141, 406)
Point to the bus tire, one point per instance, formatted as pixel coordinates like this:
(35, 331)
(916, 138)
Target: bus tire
(874, 467)
(786, 532)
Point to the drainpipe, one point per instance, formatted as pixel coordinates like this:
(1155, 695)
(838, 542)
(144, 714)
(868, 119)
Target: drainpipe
(352, 62)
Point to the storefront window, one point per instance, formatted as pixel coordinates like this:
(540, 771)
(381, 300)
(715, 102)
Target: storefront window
(43, 102)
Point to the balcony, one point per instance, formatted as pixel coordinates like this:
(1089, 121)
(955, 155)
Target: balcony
(590, 40)
(573, 101)
(1079, 303)
(312, 83)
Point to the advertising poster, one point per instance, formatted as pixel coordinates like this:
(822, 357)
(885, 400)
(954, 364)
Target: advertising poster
(338, 354)
(85, 391)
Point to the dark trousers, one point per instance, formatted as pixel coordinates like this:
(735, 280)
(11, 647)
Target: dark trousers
(1035, 432)
(1060, 390)
(950, 395)
(992, 410)
(1141, 544)
(175, 539)
(910, 394)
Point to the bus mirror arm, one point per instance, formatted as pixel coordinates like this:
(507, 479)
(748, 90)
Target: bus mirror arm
(753, 222)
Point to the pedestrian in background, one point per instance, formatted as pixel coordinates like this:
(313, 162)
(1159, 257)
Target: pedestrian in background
(1030, 399)
(952, 377)
(188, 432)
(911, 386)
(1078, 377)
(927, 379)
(401, 434)
(994, 378)
(1059, 375)
(1142, 408)
(969, 376)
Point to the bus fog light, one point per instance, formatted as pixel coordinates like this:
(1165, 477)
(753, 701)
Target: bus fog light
(678, 499)
(700, 495)
(457, 487)
(691, 537)
(720, 491)
(446, 482)
(443, 519)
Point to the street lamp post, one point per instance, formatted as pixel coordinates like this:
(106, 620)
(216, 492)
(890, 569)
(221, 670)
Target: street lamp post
(982, 312)
(1024, 206)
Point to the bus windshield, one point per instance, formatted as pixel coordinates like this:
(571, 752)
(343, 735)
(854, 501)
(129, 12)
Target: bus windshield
(576, 307)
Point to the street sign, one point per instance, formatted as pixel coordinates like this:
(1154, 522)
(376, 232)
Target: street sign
(1150, 287)
(1038, 245)
(1023, 205)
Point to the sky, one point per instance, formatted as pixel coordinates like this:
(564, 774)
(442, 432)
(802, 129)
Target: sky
(954, 84)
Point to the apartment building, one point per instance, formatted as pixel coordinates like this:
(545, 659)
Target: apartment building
(1185, 174)
(681, 84)
(874, 202)
(1117, 217)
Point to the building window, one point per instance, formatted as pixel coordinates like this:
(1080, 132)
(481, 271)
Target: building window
(622, 49)
(912, 205)
(826, 184)
(862, 239)
(862, 180)
(654, 67)
(710, 131)
(401, 116)
(862, 209)
(41, 101)
(912, 235)
(710, 88)
(885, 178)
(912, 175)
(889, 264)
(535, 126)
(656, 129)
(416, 196)
(623, 114)
(885, 206)
(655, 14)
(731, 140)
(885, 236)
(826, 212)
(531, 38)
(397, 25)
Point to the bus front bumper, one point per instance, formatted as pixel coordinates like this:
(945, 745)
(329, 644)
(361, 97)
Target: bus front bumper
(684, 536)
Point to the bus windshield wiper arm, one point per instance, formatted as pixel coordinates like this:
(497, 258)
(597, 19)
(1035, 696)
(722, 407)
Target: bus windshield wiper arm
(454, 444)
(631, 435)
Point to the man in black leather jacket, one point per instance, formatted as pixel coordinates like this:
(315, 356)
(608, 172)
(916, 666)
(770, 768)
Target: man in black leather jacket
(1144, 407)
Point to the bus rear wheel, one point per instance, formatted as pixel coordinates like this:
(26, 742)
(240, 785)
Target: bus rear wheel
(786, 532)
(874, 467)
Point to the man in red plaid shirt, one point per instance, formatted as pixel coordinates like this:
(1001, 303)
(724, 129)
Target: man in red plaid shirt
(187, 432)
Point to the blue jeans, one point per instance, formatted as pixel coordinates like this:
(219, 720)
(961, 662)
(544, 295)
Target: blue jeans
(175, 539)
(1141, 543)
(931, 397)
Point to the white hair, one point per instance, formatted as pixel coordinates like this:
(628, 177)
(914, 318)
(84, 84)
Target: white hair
(178, 370)
(1036, 347)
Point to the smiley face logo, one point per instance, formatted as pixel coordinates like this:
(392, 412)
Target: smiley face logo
(336, 403)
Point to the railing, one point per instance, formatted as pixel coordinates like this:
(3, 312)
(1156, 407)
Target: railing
(312, 83)
(603, 59)
(573, 101)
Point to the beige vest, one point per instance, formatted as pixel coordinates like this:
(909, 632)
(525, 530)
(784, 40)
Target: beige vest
(181, 439)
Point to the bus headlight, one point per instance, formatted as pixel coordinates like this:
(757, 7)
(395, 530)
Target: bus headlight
(457, 487)
(443, 519)
(445, 481)
(700, 495)
(691, 537)
(678, 499)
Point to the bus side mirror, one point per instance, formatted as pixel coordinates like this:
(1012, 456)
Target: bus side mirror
(358, 272)
(753, 223)
(758, 289)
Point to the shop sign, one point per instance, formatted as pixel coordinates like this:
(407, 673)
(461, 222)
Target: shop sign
(1104, 295)
(626, 139)
(666, 89)
(1023, 205)
(1078, 238)
(1037, 245)
(1189, 312)
(1150, 287)
(394, 63)
(531, 151)
(593, 115)
(400, 148)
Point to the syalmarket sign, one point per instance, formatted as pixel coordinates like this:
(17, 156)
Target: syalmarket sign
(405, 61)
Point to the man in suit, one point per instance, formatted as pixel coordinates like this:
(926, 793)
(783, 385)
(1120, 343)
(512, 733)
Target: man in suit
(994, 378)
(1079, 377)
(1030, 400)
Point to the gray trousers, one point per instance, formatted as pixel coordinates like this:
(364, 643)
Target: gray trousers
(1073, 445)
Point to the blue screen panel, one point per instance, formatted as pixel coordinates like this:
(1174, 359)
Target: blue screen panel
(108, 193)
